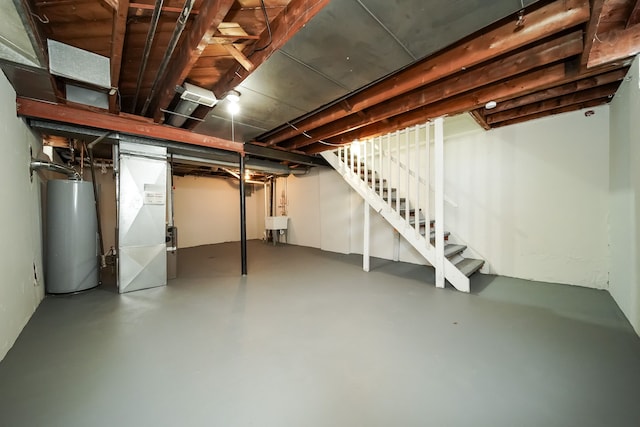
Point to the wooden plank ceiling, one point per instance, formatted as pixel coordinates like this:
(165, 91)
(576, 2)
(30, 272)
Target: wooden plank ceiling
(552, 57)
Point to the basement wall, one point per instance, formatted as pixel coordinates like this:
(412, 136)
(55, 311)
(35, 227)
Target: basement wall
(22, 284)
(531, 199)
(624, 282)
(207, 211)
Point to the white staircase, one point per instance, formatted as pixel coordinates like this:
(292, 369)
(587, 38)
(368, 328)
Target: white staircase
(392, 173)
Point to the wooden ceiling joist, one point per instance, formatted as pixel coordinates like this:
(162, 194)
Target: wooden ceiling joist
(547, 113)
(613, 32)
(600, 92)
(295, 16)
(540, 23)
(615, 45)
(522, 61)
(469, 101)
(117, 44)
(211, 14)
(561, 90)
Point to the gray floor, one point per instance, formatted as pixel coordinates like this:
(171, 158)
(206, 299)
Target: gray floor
(309, 339)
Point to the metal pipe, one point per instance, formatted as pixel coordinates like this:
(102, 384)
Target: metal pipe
(180, 24)
(253, 164)
(147, 49)
(103, 261)
(243, 219)
(54, 167)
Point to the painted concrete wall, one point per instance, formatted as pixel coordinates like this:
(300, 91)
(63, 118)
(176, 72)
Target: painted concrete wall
(207, 211)
(624, 281)
(20, 214)
(531, 199)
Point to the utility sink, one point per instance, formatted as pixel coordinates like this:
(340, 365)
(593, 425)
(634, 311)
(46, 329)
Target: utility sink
(276, 222)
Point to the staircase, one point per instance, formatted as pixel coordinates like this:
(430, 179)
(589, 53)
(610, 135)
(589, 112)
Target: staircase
(392, 174)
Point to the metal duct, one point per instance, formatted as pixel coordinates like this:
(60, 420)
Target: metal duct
(253, 164)
(181, 23)
(182, 112)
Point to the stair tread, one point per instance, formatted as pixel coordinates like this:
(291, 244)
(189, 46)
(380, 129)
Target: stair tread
(468, 266)
(451, 250)
(433, 234)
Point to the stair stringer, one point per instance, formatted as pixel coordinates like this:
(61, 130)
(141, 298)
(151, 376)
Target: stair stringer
(409, 233)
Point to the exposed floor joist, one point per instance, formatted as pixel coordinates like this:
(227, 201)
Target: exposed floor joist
(204, 26)
(540, 23)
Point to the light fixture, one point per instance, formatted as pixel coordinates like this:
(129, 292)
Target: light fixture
(233, 96)
(490, 105)
(233, 108)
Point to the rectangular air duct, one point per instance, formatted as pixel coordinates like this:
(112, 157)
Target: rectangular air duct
(79, 65)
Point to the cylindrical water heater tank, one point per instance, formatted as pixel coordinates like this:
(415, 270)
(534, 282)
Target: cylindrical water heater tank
(72, 243)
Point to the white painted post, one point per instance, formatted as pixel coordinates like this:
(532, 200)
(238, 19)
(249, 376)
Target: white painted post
(367, 238)
(365, 165)
(439, 200)
(427, 179)
(396, 245)
(351, 153)
(380, 166)
(358, 157)
(388, 174)
(408, 177)
(397, 181)
(418, 170)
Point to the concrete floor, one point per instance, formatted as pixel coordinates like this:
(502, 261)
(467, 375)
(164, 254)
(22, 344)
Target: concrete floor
(309, 339)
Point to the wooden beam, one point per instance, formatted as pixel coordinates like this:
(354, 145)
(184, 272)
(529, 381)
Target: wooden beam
(520, 85)
(564, 109)
(591, 31)
(478, 116)
(294, 16)
(189, 50)
(634, 16)
(66, 114)
(164, 9)
(111, 4)
(239, 56)
(119, 30)
(540, 23)
(599, 92)
(561, 90)
(614, 45)
(520, 62)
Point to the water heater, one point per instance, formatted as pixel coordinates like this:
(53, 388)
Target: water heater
(72, 250)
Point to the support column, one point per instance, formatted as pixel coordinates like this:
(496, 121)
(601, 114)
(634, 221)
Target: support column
(367, 237)
(439, 200)
(243, 219)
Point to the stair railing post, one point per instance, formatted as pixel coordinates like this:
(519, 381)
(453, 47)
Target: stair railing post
(358, 156)
(351, 155)
(380, 175)
(367, 238)
(365, 164)
(408, 180)
(439, 200)
(427, 179)
(418, 169)
(397, 174)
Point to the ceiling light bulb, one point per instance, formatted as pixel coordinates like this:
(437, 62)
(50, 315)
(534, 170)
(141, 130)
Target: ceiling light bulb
(490, 105)
(233, 96)
(233, 108)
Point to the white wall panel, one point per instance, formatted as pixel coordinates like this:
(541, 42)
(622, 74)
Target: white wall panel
(625, 197)
(207, 211)
(20, 214)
